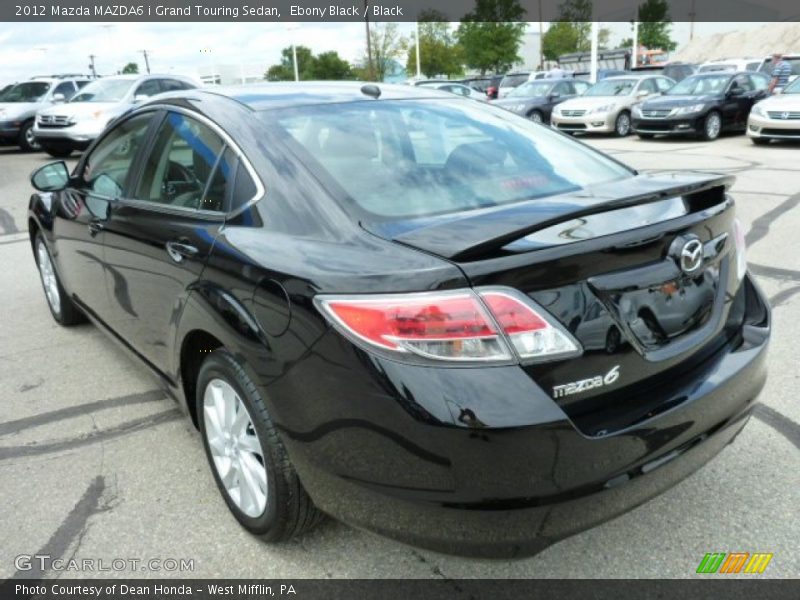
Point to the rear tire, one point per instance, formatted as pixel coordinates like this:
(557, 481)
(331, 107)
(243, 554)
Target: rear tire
(61, 307)
(27, 142)
(270, 503)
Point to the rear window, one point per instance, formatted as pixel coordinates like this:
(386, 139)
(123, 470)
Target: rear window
(409, 158)
(513, 80)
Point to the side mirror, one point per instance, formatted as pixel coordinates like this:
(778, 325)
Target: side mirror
(642, 93)
(52, 177)
(59, 98)
(735, 91)
(555, 96)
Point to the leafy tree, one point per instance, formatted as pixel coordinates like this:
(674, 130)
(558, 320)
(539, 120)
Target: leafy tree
(130, 68)
(285, 70)
(655, 25)
(329, 65)
(387, 46)
(439, 51)
(491, 35)
(572, 32)
(560, 38)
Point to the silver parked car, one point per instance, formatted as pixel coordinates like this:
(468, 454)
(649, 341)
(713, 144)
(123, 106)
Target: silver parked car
(73, 126)
(20, 102)
(606, 106)
(455, 88)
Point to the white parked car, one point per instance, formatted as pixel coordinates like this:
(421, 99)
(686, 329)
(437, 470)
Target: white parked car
(455, 88)
(776, 117)
(731, 64)
(606, 106)
(74, 125)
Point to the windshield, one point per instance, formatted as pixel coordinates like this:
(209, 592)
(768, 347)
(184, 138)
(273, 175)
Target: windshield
(104, 90)
(30, 91)
(699, 86)
(418, 158)
(611, 87)
(792, 88)
(532, 88)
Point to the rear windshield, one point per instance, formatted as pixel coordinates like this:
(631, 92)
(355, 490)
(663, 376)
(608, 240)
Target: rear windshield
(513, 80)
(699, 85)
(415, 158)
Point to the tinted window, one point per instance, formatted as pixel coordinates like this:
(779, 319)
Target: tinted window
(245, 188)
(418, 158)
(663, 84)
(514, 80)
(147, 88)
(742, 82)
(563, 88)
(531, 88)
(82, 83)
(30, 91)
(65, 88)
(759, 82)
(109, 163)
(180, 165)
(173, 85)
(216, 192)
(700, 85)
(648, 85)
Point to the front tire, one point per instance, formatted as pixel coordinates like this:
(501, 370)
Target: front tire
(247, 458)
(712, 125)
(27, 141)
(622, 125)
(61, 307)
(536, 116)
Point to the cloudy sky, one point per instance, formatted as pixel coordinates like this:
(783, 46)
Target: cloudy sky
(29, 49)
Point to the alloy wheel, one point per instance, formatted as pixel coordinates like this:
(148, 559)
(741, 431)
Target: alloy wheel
(623, 125)
(31, 139)
(536, 116)
(713, 126)
(48, 275)
(235, 447)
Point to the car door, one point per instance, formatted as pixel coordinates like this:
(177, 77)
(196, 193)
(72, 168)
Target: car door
(561, 91)
(744, 101)
(84, 207)
(159, 238)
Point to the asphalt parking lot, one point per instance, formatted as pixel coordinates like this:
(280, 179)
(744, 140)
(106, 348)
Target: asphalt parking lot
(96, 463)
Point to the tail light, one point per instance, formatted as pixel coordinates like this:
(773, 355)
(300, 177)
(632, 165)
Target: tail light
(464, 325)
(741, 250)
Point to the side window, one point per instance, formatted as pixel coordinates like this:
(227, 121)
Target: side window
(562, 89)
(148, 88)
(580, 86)
(648, 85)
(244, 189)
(81, 83)
(172, 85)
(743, 82)
(663, 84)
(216, 192)
(66, 89)
(759, 82)
(107, 167)
(180, 165)
(752, 66)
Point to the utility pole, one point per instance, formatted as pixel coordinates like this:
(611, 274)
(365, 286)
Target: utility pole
(370, 75)
(541, 38)
(635, 45)
(146, 61)
(91, 66)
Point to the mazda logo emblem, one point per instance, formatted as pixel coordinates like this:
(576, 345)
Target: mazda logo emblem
(691, 257)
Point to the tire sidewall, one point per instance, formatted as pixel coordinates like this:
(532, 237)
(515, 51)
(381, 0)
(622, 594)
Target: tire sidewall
(58, 316)
(23, 141)
(533, 116)
(220, 365)
(623, 114)
(707, 120)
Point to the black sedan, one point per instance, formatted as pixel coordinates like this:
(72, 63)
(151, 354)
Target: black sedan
(536, 99)
(704, 105)
(422, 315)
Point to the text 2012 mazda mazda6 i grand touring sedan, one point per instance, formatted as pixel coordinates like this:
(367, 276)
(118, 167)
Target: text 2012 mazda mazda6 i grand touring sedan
(425, 316)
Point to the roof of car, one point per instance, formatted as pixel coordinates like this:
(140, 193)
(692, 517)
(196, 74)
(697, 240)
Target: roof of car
(265, 96)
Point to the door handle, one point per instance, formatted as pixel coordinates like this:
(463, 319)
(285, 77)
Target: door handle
(95, 227)
(178, 251)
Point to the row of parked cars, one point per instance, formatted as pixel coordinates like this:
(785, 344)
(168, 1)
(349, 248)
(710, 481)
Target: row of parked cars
(648, 103)
(64, 113)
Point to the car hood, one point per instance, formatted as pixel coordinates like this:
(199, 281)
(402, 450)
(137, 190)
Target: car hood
(513, 101)
(676, 101)
(15, 110)
(84, 109)
(781, 102)
(587, 102)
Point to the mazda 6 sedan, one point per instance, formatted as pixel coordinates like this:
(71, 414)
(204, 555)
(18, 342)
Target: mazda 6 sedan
(421, 315)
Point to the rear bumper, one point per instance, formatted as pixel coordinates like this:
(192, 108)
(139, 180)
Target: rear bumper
(691, 125)
(433, 457)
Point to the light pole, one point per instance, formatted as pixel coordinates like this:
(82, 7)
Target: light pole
(294, 60)
(635, 46)
(91, 66)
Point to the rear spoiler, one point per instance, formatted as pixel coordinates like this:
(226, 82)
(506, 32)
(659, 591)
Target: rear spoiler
(480, 233)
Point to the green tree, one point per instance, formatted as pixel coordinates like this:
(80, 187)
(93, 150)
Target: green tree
(560, 38)
(130, 68)
(329, 65)
(439, 51)
(572, 32)
(491, 35)
(285, 70)
(655, 25)
(387, 46)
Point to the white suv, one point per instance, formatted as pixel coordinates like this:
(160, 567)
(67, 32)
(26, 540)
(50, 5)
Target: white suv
(73, 126)
(20, 102)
